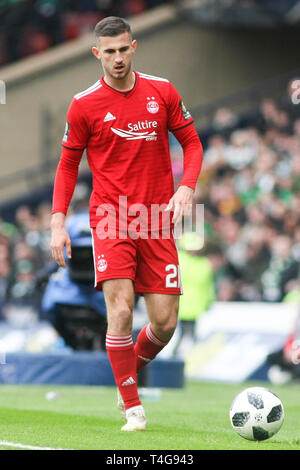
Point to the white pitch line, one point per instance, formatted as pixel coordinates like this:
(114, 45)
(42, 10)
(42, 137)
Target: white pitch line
(25, 446)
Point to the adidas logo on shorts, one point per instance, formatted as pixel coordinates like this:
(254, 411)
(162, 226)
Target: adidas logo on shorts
(129, 381)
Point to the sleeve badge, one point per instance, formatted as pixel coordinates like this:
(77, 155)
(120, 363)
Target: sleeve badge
(185, 113)
(67, 131)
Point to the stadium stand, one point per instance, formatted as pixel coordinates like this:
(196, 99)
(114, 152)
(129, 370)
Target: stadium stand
(32, 26)
(243, 13)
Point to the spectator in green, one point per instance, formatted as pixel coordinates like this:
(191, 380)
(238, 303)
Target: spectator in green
(198, 287)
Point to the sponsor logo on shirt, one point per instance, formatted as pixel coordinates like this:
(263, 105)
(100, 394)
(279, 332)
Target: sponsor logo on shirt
(140, 130)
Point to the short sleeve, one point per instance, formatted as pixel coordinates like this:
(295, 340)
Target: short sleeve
(77, 130)
(178, 115)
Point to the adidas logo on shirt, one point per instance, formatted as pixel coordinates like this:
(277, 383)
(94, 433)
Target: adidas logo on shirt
(127, 382)
(109, 117)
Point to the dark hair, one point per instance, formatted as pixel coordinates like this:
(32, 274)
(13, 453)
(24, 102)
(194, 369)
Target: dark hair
(111, 26)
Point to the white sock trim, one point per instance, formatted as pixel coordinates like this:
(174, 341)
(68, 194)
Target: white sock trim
(151, 336)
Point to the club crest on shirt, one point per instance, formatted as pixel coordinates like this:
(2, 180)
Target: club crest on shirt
(185, 113)
(101, 264)
(152, 105)
(67, 131)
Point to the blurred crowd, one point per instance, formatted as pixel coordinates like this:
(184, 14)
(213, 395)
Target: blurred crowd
(31, 26)
(250, 185)
(24, 250)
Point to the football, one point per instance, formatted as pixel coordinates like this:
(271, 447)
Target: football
(256, 414)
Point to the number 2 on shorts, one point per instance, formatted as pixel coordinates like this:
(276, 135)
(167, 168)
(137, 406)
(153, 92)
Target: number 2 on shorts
(172, 279)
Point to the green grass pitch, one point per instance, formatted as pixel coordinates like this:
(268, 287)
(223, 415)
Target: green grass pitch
(193, 418)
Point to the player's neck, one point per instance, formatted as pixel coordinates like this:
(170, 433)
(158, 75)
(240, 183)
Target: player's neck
(121, 85)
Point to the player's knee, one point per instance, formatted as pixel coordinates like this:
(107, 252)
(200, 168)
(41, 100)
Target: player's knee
(120, 319)
(165, 328)
(169, 328)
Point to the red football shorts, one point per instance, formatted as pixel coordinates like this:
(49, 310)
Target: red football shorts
(152, 264)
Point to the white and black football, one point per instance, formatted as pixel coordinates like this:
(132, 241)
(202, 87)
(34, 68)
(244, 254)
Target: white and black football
(256, 414)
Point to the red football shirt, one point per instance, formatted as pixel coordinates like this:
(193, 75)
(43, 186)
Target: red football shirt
(125, 135)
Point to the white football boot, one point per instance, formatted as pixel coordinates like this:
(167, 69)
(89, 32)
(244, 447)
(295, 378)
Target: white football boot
(136, 419)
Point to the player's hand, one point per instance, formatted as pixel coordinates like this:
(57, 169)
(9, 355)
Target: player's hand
(181, 203)
(60, 239)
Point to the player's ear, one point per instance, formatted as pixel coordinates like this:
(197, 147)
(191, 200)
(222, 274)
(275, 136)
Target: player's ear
(96, 52)
(134, 44)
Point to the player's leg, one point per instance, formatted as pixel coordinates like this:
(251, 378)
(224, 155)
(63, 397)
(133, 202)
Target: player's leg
(115, 266)
(163, 315)
(119, 299)
(158, 278)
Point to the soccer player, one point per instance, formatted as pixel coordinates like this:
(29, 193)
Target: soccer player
(123, 121)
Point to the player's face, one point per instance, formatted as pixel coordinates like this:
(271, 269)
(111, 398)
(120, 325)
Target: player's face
(115, 54)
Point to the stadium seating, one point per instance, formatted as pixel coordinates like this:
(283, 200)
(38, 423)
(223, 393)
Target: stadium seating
(30, 27)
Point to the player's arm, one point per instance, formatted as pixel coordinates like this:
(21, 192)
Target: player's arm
(64, 185)
(181, 125)
(60, 239)
(74, 142)
(181, 202)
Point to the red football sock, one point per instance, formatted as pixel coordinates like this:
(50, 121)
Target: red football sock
(120, 351)
(147, 347)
